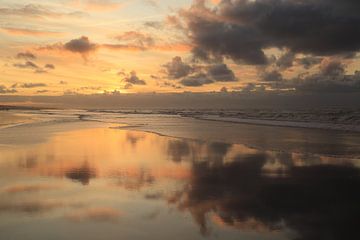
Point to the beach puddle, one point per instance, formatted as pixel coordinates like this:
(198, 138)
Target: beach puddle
(106, 183)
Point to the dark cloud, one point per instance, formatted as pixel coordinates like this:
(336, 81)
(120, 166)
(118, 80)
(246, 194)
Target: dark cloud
(170, 84)
(49, 66)
(327, 83)
(243, 29)
(194, 75)
(196, 80)
(331, 78)
(30, 64)
(224, 89)
(5, 90)
(252, 87)
(177, 69)
(309, 61)
(128, 86)
(80, 45)
(27, 64)
(42, 91)
(286, 60)
(32, 85)
(134, 79)
(39, 70)
(154, 196)
(272, 76)
(26, 55)
(154, 24)
(332, 67)
(221, 73)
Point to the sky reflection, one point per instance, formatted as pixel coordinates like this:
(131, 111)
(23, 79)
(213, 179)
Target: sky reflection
(143, 182)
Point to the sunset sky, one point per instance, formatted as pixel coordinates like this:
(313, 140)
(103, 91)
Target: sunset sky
(57, 47)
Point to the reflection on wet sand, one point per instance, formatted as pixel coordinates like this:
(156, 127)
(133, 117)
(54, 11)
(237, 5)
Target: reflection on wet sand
(315, 201)
(116, 177)
(82, 174)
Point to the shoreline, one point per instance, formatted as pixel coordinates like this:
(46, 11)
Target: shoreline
(324, 121)
(260, 137)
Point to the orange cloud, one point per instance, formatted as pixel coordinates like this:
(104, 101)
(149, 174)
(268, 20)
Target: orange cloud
(96, 5)
(171, 47)
(30, 32)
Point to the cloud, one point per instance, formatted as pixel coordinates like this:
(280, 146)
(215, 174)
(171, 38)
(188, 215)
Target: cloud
(154, 24)
(330, 67)
(5, 90)
(194, 75)
(272, 76)
(177, 68)
(321, 83)
(80, 45)
(252, 87)
(197, 80)
(152, 3)
(30, 32)
(134, 79)
(154, 196)
(36, 11)
(221, 73)
(286, 60)
(309, 61)
(243, 29)
(131, 41)
(224, 90)
(27, 64)
(136, 39)
(49, 66)
(42, 91)
(26, 55)
(33, 85)
(30, 64)
(331, 78)
(99, 214)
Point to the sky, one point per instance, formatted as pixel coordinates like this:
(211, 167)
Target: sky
(89, 47)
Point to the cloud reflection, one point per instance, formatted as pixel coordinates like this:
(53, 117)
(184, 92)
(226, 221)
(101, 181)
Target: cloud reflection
(81, 174)
(316, 201)
(30, 207)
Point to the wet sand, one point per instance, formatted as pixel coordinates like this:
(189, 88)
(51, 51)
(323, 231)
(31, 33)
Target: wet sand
(68, 177)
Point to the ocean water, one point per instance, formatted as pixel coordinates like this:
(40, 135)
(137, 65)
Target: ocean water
(79, 174)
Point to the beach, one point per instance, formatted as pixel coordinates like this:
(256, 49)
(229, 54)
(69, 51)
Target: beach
(163, 176)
